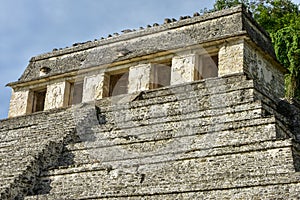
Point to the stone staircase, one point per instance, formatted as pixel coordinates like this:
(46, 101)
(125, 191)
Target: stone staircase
(28, 145)
(217, 138)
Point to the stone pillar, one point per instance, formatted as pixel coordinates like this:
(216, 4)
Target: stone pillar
(183, 68)
(231, 58)
(19, 103)
(139, 78)
(56, 96)
(95, 87)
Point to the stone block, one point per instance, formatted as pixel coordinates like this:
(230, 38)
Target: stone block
(56, 96)
(18, 103)
(183, 69)
(231, 58)
(139, 78)
(95, 87)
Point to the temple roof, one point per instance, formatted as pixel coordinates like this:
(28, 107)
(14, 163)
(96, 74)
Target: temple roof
(165, 39)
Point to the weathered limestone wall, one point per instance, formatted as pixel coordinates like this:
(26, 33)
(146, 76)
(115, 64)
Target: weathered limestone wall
(139, 78)
(30, 144)
(234, 56)
(233, 33)
(203, 138)
(184, 68)
(264, 71)
(18, 103)
(208, 137)
(218, 138)
(165, 38)
(95, 86)
(231, 57)
(148, 41)
(243, 56)
(57, 95)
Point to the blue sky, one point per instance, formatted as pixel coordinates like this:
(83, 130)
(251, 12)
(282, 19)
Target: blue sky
(32, 27)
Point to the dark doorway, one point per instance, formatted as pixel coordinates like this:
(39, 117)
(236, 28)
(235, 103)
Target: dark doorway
(118, 84)
(39, 100)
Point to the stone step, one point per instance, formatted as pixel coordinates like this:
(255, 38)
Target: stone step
(157, 157)
(280, 110)
(212, 124)
(27, 145)
(165, 113)
(177, 127)
(176, 121)
(266, 127)
(24, 161)
(195, 90)
(253, 167)
(151, 144)
(34, 132)
(34, 119)
(33, 136)
(206, 99)
(187, 90)
(278, 190)
(125, 116)
(16, 166)
(101, 190)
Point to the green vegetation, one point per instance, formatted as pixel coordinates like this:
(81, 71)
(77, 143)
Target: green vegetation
(281, 19)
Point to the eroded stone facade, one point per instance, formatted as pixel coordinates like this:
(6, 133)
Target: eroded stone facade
(183, 69)
(187, 110)
(233, 57)
(57, 95)
(95, 87)
(139, 78)
(18, 103)
(236, 45)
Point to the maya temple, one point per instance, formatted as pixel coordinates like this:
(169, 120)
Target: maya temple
(191, 108)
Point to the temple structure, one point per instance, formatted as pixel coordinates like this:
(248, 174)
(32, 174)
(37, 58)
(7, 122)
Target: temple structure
(189, 109)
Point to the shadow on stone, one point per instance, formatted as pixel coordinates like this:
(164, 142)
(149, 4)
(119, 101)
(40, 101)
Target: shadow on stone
(43, 183)
(291, 110)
